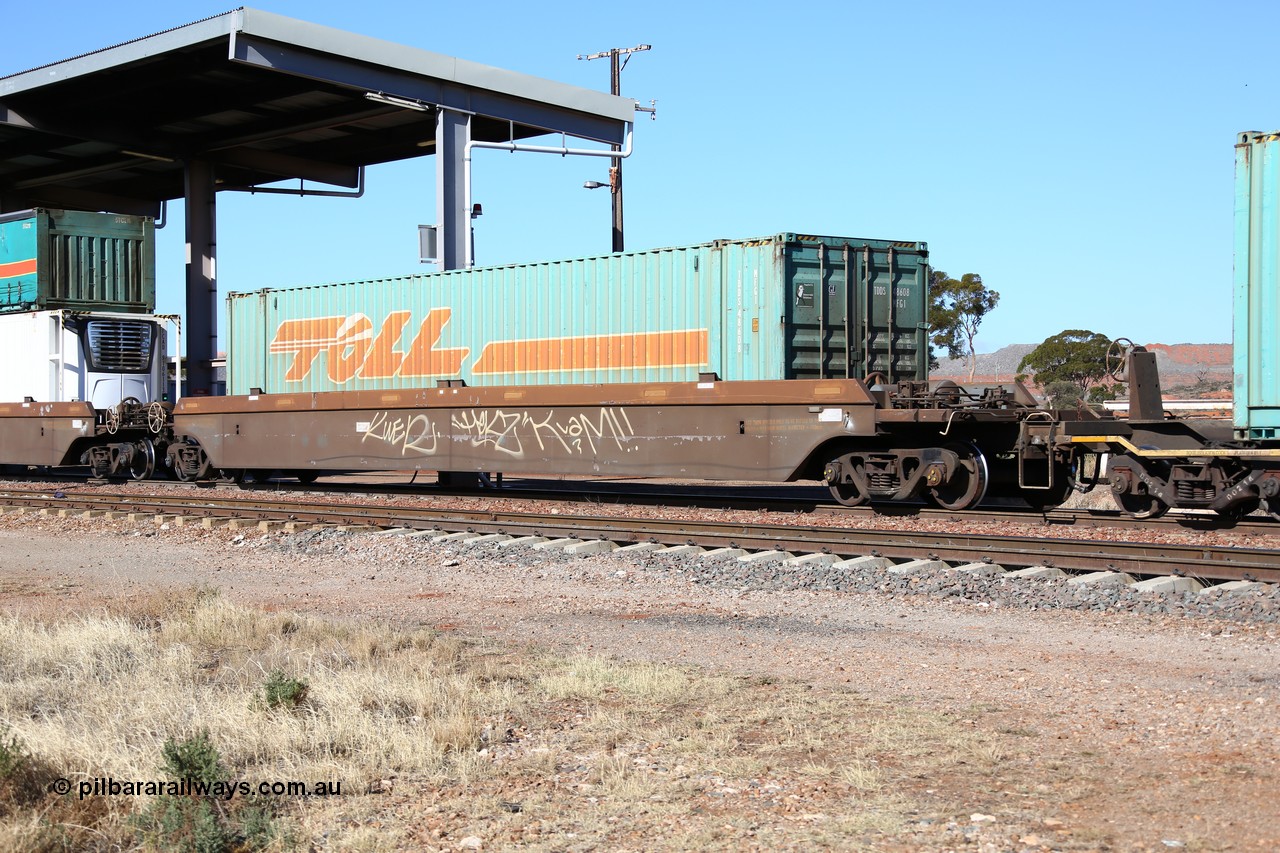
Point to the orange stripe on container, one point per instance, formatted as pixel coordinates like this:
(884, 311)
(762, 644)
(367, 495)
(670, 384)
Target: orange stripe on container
(306, 339)
(13, 269)
(684, 348)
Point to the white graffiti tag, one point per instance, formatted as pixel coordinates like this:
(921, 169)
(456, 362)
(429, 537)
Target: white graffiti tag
(574, 431)
(507, 432)
(408, 433)
(493, 427)
(576, 434)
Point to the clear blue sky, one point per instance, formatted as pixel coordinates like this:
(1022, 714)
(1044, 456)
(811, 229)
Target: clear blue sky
(1078, 156)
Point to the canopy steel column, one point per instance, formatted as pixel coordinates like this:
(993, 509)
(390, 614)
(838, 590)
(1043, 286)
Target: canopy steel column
(453, 132)
(202, 276)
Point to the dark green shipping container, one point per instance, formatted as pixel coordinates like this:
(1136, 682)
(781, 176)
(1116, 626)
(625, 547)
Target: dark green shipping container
(69, 259)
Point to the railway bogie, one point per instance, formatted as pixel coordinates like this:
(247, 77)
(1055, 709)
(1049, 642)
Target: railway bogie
(1157, 463)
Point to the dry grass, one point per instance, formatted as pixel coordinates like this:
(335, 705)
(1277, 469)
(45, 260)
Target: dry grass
(434, 739)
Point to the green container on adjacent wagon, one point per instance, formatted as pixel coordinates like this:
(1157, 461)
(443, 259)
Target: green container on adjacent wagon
(788, 306)
(1257, 286)
(68, 259)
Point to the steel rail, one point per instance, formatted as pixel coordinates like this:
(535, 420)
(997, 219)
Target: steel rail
(742, 498)
(1202, 561)
(816, 500)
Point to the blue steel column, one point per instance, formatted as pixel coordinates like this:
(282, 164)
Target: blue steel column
(202, 277)
(453, 132)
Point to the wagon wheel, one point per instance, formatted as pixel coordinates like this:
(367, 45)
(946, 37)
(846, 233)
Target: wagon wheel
(1118, 359)
(967, 485)
(1271, 506)
(306, 478)
(847, 490)
(1141, 506)
(143, 462)
(100, 466)
(1053, 497)
(1239, 511)
(848, 494)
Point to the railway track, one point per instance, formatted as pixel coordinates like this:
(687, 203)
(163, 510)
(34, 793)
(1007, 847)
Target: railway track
(1209, 562)
(772, 498)
(785, 498)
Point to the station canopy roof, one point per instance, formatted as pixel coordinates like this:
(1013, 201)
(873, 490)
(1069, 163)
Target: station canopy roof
(264, 98)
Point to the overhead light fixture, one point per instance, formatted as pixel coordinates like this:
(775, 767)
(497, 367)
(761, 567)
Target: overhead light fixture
(593, 185)
(396, 101)
(145, 156)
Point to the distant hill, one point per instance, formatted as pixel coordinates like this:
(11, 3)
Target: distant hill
(1199, 369)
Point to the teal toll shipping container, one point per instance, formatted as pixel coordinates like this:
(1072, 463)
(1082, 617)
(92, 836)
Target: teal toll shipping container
(1257, 286)
(788, 306)
(67, 259)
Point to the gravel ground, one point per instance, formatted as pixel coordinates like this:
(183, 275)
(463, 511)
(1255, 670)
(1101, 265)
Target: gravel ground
(1150, 722)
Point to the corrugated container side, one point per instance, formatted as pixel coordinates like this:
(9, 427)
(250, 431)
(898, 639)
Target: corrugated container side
(1257, 286)
(64, 259)
(858, 307)
(18, 264)
(664, 315)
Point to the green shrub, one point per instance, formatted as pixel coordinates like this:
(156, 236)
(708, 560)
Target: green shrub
(199, 823)
(13, 755)
(188, 824)
(281, 691)
(195, 758)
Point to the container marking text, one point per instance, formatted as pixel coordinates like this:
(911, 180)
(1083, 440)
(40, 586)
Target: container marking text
(354, 349)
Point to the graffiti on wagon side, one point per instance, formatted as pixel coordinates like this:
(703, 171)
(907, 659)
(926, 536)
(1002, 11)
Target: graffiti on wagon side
(407, 433)
(512, 433)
